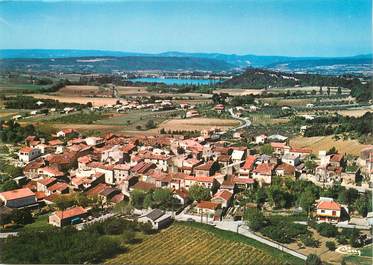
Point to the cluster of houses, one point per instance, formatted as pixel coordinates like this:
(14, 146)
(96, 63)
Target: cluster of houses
(112, 166)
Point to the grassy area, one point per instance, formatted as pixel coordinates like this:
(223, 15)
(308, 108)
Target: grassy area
(84, 118)
(40, 223)
(134, 119)
(194, 243)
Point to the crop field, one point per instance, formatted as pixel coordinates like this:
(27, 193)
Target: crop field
(239, 92)
(354, 112)
(318, 143)
(78, 99)
(194, 124)
(182, 244)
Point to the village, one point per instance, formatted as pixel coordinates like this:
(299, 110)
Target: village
(205, 179)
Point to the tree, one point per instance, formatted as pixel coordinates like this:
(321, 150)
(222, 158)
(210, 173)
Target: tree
(148, 201)
(328, 91)
(327, 230)
(255, 219)
(306, 200)
(313, 259)
(9, 185)
(199, 193)
(362, 205)
(21, 217)
(137, 198)
(150, 124)
(266, 149)
(330, 245)
(339, 91)
(260, 196)
(162, 196)
(310, 165)
(128, 236)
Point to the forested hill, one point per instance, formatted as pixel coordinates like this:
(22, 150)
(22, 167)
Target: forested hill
(111, 64)
(260, 78)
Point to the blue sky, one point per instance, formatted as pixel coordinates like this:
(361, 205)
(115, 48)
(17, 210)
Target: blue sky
(264, 27)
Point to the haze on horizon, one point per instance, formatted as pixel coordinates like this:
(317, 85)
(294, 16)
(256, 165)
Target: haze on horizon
(262, 27)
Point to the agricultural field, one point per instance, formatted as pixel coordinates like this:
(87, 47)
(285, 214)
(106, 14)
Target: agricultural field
(288, 102)
(183, 244)
(238, 91)
(355, 112)
(318, 143)
(78, 99)
(198, 124)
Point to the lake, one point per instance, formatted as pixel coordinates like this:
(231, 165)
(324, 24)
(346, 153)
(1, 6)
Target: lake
(176, 81)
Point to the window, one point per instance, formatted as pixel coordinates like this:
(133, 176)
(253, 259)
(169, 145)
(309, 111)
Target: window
(322, 211)
(334, 213)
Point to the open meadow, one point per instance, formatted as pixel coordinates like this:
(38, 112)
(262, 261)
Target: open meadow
(197, 124)
(318, 143)
(182, 244)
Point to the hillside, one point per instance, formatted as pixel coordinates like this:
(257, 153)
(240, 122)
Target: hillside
(360, 64)
(110, 64)
(260, 78)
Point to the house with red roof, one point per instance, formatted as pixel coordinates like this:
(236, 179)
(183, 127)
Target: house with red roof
(248, 166)
(44, 183)
(224, 197)
(327, 210)
(18, 198)
(263, 173)
(59, 188)
(203, 181)
(207, 169)
(285, 170)
(208, 208)
(66, 132)
(27, 154)
(69, 216)
(50, 172)
(188, 165)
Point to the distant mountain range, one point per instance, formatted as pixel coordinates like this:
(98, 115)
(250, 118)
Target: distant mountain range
(170, 61)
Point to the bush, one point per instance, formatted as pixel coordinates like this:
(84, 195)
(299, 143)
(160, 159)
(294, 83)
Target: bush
(327, 230)
(313, 259)
(330, 245)
(309, 241)
(255, 219)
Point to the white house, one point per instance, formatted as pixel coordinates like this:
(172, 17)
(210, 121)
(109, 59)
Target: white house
(26, 154)
(328, 210)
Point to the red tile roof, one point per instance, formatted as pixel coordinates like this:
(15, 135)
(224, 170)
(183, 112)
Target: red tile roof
(141, 185)
(240, 180)
(17, 194)
(301, 150)
(26, 149)
(329, 205)
(47, 181)
(278, 145)
(208, 205)
(200, 179)
(288, 169)
(206, 166)
(224, 194)
(249, 163)
(52, 171)
(59, 186)
(75, 211)
(97, 189)
(264, 169)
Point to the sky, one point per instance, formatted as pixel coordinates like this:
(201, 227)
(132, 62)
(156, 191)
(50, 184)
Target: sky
(262, 27)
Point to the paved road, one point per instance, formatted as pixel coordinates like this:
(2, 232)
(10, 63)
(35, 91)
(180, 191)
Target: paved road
(245, 121)
(242, 229)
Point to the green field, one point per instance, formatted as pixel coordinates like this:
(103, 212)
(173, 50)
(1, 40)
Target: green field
(366, 257)
(187, 243)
